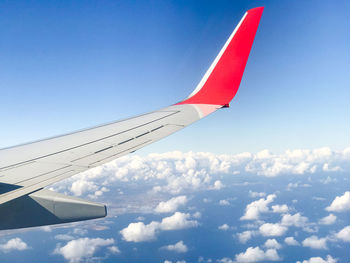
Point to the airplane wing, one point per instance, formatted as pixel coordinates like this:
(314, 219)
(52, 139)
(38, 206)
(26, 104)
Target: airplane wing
(26, 169)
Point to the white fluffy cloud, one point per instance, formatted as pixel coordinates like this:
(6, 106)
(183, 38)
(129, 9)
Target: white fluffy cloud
(269, 229)
(328, 220)
(290, 241)
(344, 234)
(178, 221)
(224, 227)
(294, 162)
(340, 203)
(139, 232)
(272, 243)
(171, 205)
(218, 185)
(13, 244)
(329, 259)
(296, 220)
(245, 236)
(315, 242)
(179, 247)
(82, 248)
(81, 186)
(280, 209)
(255, 254)
(253, 210)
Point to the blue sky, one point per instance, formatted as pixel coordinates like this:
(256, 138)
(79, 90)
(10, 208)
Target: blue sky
(69, 65)
(65, 66)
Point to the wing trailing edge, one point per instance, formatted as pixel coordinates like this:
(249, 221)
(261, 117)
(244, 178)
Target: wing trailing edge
(46, 207)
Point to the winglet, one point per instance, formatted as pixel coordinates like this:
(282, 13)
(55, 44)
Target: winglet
(221, 82)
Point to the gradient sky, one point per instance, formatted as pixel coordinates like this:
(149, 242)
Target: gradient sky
(70, 65)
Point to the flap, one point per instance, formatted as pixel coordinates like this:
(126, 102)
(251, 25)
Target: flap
(46, 207)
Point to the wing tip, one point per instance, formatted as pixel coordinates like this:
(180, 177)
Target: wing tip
(221, 85)
(256, 9)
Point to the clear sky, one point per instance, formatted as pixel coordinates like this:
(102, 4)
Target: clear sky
(70, 65)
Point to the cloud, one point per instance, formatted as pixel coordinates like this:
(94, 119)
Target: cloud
(280, 209)
(64, 237)
(80, 231)
(177, 221)
(139, 232)
(224, 227)
(269, 229)
(14, 244)
(114, 250)
(326, 168)
(224, 202)
(290, 186)
(218, 185)
(245, 236)
(340, 203)
(197, 215)
(328, 180)
(272, 243)
(344, 234)
(225, 260)
(315, 242)
(299, 161)
(328, 220)
(201, 259)
(329, 259)
(253, 210)
(83, 248)
(177, 172)
(317, 198)
(81, 186)
(290, 241)
(296, 220)
(46, 228)
(171, 205)
(179, 247)
(256, 254)
(256, 194)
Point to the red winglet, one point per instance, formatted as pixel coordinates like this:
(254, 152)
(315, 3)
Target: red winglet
(220, 84)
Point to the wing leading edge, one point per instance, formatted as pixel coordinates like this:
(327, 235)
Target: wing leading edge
(26, 169)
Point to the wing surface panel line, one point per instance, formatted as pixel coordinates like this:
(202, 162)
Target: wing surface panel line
(97, 140)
